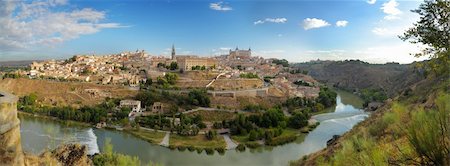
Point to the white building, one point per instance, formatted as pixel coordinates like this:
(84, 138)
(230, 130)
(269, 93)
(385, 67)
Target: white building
(135, 105)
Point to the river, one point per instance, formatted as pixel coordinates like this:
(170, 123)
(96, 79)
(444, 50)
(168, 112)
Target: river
(39, 134)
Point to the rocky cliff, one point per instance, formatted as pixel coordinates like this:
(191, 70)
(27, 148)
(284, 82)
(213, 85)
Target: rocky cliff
(11, 148)
(10, 145)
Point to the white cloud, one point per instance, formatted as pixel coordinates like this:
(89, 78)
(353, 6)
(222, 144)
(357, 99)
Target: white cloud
(23, 24)
(371, 1)
(220, 6)
(311, 23)
(391, 10)
(399, 52)
(271, 20)
(341, 23)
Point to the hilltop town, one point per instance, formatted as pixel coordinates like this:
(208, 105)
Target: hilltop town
(238, 70)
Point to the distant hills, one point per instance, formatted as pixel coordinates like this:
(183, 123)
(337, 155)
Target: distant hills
(355, 75)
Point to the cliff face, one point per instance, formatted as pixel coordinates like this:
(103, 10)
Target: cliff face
(11, 148)
(10, 145)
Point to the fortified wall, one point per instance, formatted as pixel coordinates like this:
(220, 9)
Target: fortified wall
(10, 146)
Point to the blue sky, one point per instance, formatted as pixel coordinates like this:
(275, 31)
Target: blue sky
(295, 30)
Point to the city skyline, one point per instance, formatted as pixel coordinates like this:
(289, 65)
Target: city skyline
(295, 30)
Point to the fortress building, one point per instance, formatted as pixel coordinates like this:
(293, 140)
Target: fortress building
(240, 54)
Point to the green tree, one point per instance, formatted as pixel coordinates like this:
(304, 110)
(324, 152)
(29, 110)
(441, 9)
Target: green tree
(432, 30)
(199, 98)
(298, 120)
(171, 78)
(173, 66)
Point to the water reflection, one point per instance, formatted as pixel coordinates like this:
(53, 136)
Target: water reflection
(345, 115)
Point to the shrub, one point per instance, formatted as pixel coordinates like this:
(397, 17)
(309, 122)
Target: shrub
(252, 145)
(240, 148)
(191, 148)
(199, 150)
(220, 150)
(209, 151)
(181, 148)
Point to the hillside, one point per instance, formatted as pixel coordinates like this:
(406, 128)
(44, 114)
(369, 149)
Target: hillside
(356, 75)
(412, 129)
(64, 93)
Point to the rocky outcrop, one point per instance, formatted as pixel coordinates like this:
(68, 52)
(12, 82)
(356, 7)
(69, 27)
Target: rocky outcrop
(11, 148)
(71, 155)
(10, 145)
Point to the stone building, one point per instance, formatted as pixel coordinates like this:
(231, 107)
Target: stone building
(187, 62)
(135, 105)
(240, 54)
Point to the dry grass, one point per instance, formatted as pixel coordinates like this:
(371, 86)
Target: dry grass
(63, 93)
(214, 116)
(198, 141)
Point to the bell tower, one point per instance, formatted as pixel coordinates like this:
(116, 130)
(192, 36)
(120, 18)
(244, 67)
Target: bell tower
(173, 52)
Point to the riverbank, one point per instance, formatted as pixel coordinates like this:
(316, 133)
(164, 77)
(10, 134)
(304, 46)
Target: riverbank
(66, 122)
(39, 134)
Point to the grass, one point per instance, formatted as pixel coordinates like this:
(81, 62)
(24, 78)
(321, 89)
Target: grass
(150, 136)
(240, 138)
(326, 110)
(214, 116)
(198, 141)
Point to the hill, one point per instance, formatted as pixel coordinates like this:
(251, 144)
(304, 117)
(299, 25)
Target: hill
(64, 93)
(355, 75)
(412, 129)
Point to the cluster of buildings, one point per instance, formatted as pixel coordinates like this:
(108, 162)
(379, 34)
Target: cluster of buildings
(132, 68)
(185, 62)
(124, 68)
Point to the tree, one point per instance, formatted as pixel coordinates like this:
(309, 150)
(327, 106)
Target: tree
(211, 134)
(199, 98)
(173, 66)
(171, 78)
(432, 30)
(298, 120)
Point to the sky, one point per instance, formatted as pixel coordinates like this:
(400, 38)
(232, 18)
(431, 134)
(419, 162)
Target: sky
(298, 31)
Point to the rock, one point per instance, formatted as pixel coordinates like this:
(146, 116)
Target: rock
(333, 140)
(72, 155)
(372, 106)
(10, 146)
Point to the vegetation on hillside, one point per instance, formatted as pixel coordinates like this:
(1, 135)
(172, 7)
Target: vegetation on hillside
(109, 157)
(327, 98)
(248, 75)
(282, 62)
(415, 128)
(269, 126)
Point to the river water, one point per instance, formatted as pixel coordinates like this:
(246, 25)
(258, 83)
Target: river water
(39, 134)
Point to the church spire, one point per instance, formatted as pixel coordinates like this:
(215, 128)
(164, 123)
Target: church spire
(173, 51)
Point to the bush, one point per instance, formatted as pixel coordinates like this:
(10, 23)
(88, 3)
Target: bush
(191, 148)
(281, 140)
(240, 148)
(252, 145)
(209, 151)
(220, 150)
(199, 150)
(181, 148)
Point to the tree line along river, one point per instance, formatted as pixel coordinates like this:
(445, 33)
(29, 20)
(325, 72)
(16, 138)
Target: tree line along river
(39, 134)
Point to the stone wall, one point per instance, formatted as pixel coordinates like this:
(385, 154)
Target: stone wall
(10, 146)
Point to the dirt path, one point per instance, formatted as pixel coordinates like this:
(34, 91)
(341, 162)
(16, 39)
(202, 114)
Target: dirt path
(165, 141)
(229, 142)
